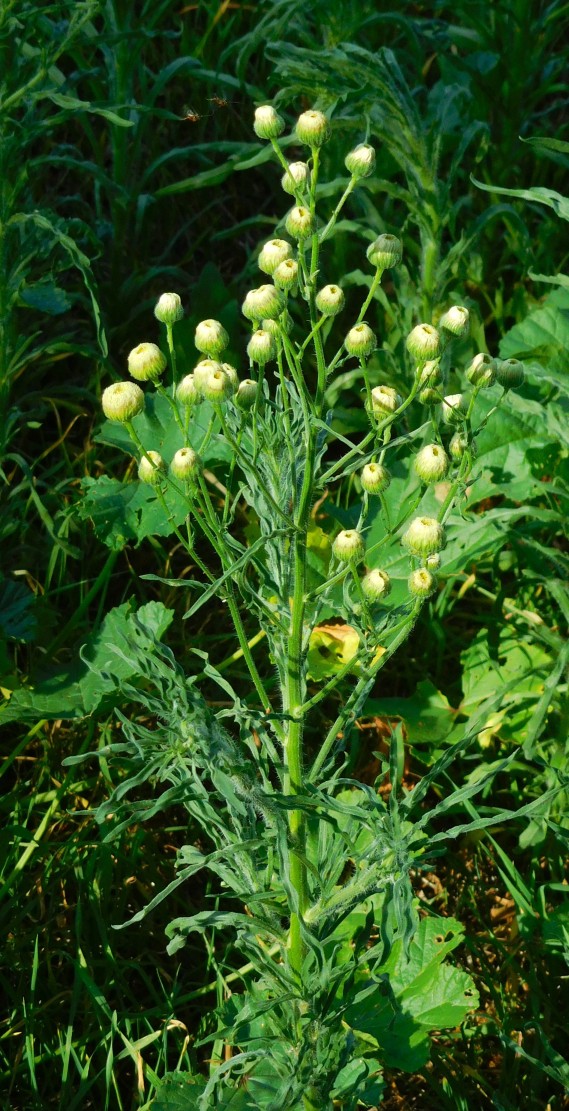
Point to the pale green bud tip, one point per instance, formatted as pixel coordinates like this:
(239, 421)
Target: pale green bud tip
(296, 178)
(211, 337)
(168, 309)
(231, 375)
(454, 408)
(267, 123)
(360, 341)
(456, 320)
(217, 387)
(385, 252)
(151, 468)
(482, 371)
(330, 300)
(421, 583)
(186, 463)
(202, 371)
(433, 562)
(384, 401)
(246, 394)
(264, 302)
(430, 373)
(360, 162)
(273, 253)
(510, 373)
(146, 362)
(122, 401)
(186, 391)
(424, 536)
(262, 348)
(431, 463)
(424, 342)
(348, 546)
(299, 222)
(376, 585)
(312, 128)
(375, 478)
(285, 276)
(458, 445)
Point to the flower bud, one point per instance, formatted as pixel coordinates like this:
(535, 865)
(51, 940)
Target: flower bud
(274, 327)
(348, 546)
(267, 123)
(423, 343)
(286, 274)
(266, 301)
(202, 371)
(232, 375)
(217, 387)
(262, 347)
(330, 300)
(273, 253)
(424, 536)
(299, 222)
(168, 308)
(186, 463)
(482, 371)
(510, 373)
(455, 320)
(186, 391)
(385, 252)
(429, 396)
(312, 128)
(146, 362)
(211, 338)
(433, 562)
(122, 401)
(384, 401)
(454, 408)
(421, 583)
(376, 585)
(431, 463)
(247, 394)
(151, 472)
(375, 478)
(296, 179)
(458, 446)
(360, 162)
(430, 374)
(360, 341)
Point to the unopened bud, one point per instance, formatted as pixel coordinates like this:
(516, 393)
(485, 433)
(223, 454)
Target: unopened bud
(330, 300)
(348, 546)
(376, 585)
(424, 536)
(454, 408)
(262, 348)
(273, 253)
(431, 463)
(421, 583)
(433, 561)
(360, 341)
(296, 178)
(360, 162)
(299, 222)
(312, 128)
(275, 327)
(168, 308)
(384, 401)
(202, 371)
(146, 362)
(430, 374)
(510, 373)
(458, 445)
(232, 375)
(482, 371)
(266, 301)
(217, 387)
(267, 123)
(385, 252)
(455, 320)
(186, 391)
(151, 468)
(286, 274)
(375, 478)
(122, 401)
(423, 343)
(246, 394)
(211, 338)
(186, 463)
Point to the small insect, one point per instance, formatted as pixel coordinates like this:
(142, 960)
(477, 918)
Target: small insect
(190, 114)
(219, 101)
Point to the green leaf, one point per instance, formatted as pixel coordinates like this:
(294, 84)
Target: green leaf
(427, 714)
(17, 611)
(128, 511)
(179, 1091)
(45, 297)
(549, 197)
(158, 431)
(543, 335)
(73, 104)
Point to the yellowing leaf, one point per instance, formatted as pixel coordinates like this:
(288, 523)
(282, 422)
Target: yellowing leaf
(330, 648)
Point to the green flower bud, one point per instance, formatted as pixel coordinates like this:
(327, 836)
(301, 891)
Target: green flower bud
(262, 348)
(151, 472)
(267, 123)
(455, 320)
(211, 337)
(186, 391)
(146, 362)
(274, 327)
(360, 162)
(299, 222)
(330, 300)
(433, 562)
(360, 341)
(349, 546)
(423, 343)
(458, 445)
(375, 478)
(421, 583)
(384, 401)
(296, 179)
(510, 373)
(186, 463)
(272, 254)
(247, 394)
(385, 252)
(312, 128)
(202, 371)
(454, 408)
(430, 374)
(376, 585)
(168, 308)
(424, 536)
(482, 371)
(286, 274)
(429, 396)
(122, 401)
(431, 463)
(217, 387)
(232, 375)
(266, 301)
